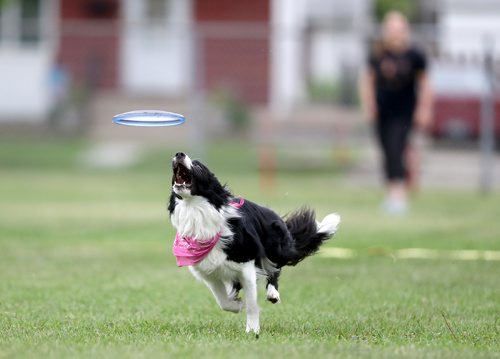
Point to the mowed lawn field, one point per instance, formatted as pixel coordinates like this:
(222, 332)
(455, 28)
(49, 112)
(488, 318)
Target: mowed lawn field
(86, 268)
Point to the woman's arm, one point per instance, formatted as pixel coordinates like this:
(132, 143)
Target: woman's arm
(367, 94)
(423, 111)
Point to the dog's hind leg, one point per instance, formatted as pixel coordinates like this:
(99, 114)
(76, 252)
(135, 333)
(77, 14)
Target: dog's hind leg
(227, 303)
(249, 283)
(272, 287)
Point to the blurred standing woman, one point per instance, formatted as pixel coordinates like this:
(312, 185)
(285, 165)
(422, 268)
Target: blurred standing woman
(396, 96)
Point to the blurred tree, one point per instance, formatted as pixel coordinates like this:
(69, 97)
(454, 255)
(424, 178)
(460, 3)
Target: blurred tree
(409, 8)
(325, 91)
(3, 2)
(235, 111)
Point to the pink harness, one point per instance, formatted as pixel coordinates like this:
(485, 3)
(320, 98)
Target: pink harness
(189, 251)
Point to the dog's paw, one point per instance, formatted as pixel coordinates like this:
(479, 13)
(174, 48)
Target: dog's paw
(253, 325)
(272, 294)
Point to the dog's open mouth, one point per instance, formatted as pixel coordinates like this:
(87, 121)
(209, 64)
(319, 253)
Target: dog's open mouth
(182, 176)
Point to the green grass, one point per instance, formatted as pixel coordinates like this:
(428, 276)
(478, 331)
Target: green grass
(86, 268)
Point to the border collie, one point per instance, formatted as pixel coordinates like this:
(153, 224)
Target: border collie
(228, 242)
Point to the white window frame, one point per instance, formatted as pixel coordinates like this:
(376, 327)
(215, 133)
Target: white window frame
(11, 25)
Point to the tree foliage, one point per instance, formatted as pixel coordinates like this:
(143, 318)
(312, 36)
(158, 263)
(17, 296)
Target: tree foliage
(406, 7)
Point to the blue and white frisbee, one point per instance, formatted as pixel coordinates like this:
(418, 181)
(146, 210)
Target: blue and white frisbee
(149, 118)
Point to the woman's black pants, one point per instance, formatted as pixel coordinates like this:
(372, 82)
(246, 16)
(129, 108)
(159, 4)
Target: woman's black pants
(393, 135)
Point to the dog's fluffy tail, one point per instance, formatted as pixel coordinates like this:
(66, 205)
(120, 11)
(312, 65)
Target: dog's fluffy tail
(308, 234)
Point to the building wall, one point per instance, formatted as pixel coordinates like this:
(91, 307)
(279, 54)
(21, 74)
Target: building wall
(234, 47)
(337, 34)
(470, 35)
(89, 41)
(156, 51)
(26, 64)
(89, 9)
(24, 89)
(230, 10)
(287, 47)
(467, 28)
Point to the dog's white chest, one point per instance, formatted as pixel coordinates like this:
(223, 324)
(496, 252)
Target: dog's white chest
(197, 218)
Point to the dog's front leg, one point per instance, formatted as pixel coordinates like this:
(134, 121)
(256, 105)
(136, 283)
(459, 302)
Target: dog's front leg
(220, 293)
(249, 282)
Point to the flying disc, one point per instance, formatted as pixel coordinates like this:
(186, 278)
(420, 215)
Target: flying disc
(149, 118)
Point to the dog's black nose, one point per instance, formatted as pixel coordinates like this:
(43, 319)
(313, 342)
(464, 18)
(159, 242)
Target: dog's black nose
(180, 155)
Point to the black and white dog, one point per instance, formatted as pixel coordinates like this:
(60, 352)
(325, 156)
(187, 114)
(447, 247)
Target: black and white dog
(228, 242)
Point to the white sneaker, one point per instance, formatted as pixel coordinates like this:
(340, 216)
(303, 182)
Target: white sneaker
(395, 206)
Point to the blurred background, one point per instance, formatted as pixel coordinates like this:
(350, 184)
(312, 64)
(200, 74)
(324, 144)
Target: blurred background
(278, 76)
(269, 91)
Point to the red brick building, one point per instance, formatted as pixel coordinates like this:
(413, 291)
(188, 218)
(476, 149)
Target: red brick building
(235, 46)
(89, 41)
(99, 44)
